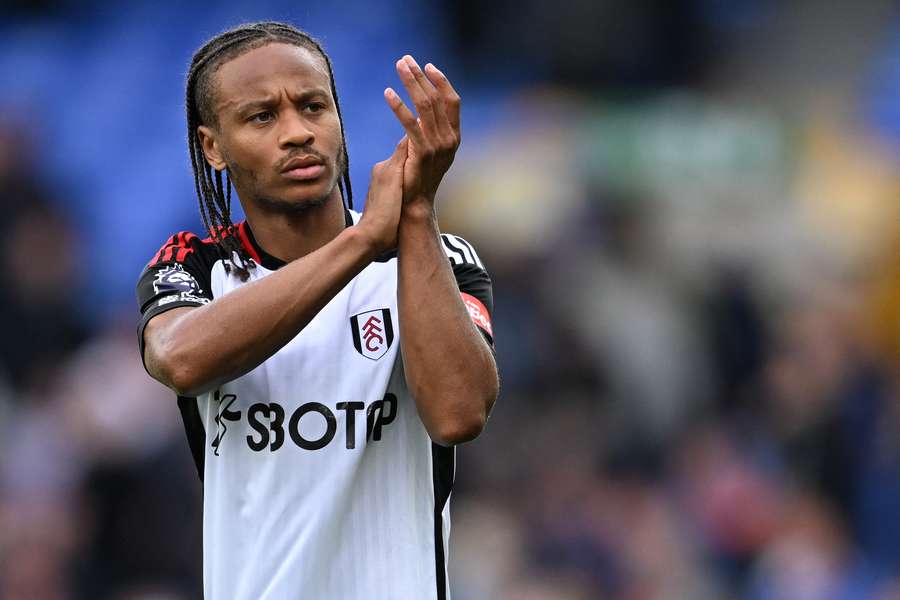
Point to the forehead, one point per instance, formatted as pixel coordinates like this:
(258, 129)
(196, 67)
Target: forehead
(267, 69)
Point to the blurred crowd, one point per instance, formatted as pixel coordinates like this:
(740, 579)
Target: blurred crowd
(691, 214)
(96, 499)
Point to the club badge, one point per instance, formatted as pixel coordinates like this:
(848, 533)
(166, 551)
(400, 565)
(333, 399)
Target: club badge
(373, 332)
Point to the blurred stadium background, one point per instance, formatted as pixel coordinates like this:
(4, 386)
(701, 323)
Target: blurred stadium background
(691, 210)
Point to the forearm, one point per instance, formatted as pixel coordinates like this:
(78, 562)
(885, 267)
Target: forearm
(209, 345)
(449, 367)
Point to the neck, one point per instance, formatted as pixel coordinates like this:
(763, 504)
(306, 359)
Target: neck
(290, 236)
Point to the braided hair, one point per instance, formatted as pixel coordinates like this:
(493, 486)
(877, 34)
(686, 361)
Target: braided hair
(214, 191)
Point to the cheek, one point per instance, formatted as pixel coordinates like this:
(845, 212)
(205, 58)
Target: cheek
(248, 151)
(243, 171)
(331, 134)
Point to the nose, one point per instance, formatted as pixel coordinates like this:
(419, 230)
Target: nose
(295, 131)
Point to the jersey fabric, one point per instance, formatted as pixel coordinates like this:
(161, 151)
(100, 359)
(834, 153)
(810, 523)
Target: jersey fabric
(319, 478)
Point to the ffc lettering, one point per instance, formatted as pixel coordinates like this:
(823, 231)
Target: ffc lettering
(271, 426)
(370, 333)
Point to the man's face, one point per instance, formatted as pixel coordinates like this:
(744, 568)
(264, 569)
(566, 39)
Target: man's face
(278, 129)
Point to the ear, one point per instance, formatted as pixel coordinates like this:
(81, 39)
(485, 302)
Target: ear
(210, 145)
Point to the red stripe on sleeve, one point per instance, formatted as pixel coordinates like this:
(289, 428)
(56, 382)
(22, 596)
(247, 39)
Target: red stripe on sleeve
(156, 256)
(168, 255)
(176, 248)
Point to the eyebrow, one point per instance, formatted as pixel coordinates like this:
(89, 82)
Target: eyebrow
(268, 101)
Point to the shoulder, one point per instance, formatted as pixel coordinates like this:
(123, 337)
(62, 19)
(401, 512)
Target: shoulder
(182, 247)
(459, 251)
(181, 266)
(473, 280)
(471, 276)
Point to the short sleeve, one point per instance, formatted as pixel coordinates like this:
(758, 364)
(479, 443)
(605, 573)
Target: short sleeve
(176, 276)
(474, 283)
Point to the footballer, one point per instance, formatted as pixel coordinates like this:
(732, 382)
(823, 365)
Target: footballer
(326, 361)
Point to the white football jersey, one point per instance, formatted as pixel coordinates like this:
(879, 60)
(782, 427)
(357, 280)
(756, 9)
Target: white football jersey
(320, 480)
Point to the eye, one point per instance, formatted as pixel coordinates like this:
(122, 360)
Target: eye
(315, 107)
(262, 117)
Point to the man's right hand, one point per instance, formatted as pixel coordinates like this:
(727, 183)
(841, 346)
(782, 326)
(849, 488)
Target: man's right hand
(384, 200)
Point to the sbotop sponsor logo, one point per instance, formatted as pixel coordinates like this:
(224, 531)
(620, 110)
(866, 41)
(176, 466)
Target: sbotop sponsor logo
(311, 426)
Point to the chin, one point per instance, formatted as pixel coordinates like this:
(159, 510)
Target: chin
(298, 203)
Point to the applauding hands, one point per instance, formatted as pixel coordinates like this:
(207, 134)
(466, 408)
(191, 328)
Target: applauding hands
(420, 160)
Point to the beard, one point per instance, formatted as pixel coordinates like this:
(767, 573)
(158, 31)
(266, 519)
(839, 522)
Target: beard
(248, 180)
(287, 207)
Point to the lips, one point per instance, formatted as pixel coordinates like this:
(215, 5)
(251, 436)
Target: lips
(303, 168)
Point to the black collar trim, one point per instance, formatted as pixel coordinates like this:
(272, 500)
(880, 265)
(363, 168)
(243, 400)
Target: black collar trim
(257, 253)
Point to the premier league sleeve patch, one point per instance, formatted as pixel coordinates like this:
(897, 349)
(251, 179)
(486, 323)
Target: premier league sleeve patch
(175, 284)
(175, 279)
(373, 332)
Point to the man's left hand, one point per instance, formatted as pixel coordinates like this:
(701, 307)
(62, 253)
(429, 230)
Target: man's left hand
(433, 136)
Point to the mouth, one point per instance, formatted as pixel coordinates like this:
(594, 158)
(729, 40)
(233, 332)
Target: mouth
(303, 168)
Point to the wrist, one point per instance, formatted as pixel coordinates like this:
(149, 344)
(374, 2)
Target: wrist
(419, 210)
(362, 238)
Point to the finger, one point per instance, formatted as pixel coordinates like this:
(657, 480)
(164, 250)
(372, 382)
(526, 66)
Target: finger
(441, 121)
(406, 117)
(418, 93)
(447, 93)
(392, 167)
(420, 76)
(400, 152)
(438, 100)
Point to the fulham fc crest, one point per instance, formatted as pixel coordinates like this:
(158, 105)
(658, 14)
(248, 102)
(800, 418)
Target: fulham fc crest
(372, 332)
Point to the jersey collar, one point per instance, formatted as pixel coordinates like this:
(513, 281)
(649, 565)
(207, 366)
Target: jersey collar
(261, 256)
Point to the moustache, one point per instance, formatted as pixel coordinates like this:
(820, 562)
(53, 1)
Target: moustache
(301, 152)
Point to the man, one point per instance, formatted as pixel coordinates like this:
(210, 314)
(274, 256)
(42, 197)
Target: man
(326, 363)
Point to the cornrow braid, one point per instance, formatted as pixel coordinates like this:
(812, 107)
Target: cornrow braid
(214, 194)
